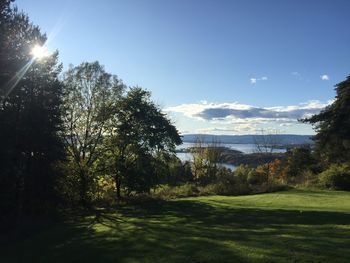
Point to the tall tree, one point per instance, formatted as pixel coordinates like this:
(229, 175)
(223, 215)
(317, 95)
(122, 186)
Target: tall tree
(30, 93)
(333, 126)
(90, 97)
(139, 133)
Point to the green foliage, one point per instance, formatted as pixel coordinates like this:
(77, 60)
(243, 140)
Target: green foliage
(297, 160)
(171, 170)
(90, 96)
(242, 172)
(309, 179)
(229, 183)
(253, 177)
(170, 192)
(333, 127)
(259, 176)
(337, 176)
(244, 180)
(298, 166)
(140, 136)
(206, 159)
(68, 184)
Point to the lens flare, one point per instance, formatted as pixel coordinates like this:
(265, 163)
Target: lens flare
(39, 52)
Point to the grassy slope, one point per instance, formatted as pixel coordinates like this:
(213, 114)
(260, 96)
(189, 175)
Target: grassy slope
(293, 226)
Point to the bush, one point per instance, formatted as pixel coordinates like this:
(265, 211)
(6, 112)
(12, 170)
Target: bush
(253, 177)
(169, 192)
(242, 172)
(307, 179)
(337, 176)
(227, 183)
(220, 188)
(258, 176)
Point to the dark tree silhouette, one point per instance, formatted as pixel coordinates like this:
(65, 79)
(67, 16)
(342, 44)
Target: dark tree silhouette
(333, 126)
(30, 118)
(140, 131)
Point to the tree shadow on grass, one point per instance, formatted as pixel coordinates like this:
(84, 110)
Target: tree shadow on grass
(190, 231)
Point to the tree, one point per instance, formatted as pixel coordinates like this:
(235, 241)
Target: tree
(297, 161)
(30, 120)
(90, 97)
(171, 170)
(333, 126)
(206, 159)
(266, 145)
(139, 133)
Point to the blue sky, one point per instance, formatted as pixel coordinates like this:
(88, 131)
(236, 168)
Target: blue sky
(223, 67)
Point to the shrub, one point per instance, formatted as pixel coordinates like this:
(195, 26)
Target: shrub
(253, 177)
(228, 183)
(242, 172)
(220, 188)
(298, 160)
(258, 175)
(337, 176)
(226, 177)
(169, 192)
(104, 192)
(307, 178)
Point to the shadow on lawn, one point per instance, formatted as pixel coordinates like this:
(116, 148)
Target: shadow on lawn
(189, 231)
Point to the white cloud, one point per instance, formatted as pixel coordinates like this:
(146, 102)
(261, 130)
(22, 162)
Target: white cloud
(237, 118)
(324, 77)
(239, 114)
(255, 80)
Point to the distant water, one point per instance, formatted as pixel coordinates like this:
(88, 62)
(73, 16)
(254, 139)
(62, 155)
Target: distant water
(188, 157)
(244, 148)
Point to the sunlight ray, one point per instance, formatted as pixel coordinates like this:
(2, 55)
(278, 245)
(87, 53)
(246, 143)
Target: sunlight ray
(11, 84)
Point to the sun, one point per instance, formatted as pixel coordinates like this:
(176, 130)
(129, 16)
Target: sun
(39, 52)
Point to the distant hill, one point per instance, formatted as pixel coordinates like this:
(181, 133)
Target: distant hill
(282, 139)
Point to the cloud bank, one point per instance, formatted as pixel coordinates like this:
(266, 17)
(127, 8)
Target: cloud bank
(228, 113)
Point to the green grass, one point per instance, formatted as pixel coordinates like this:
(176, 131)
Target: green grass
(292, 226)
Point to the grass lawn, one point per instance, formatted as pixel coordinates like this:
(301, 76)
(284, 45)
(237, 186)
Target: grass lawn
(291, 226)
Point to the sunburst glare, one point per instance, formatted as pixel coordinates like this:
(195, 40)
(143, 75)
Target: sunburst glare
(39, 52)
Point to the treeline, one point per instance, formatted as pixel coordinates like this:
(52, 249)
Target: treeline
(66, 135)
(326, 164)
(304, 167)
(206, 176)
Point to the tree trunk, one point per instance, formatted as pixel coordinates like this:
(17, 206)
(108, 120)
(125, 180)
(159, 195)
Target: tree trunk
(120, 171)
(83, 189)
(118, 181)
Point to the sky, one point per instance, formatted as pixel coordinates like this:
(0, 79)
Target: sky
(215, 66)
